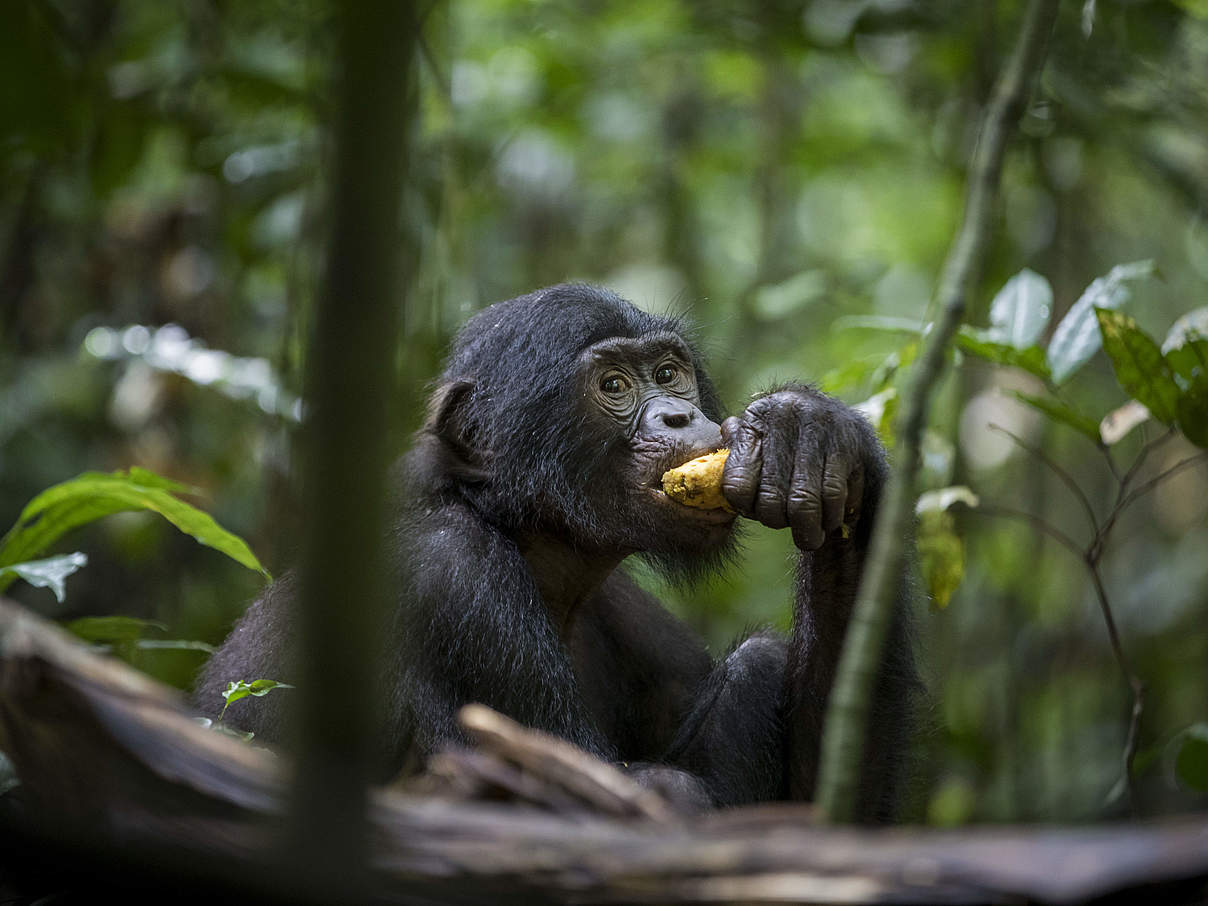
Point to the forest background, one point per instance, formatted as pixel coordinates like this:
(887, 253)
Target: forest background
(789, 176)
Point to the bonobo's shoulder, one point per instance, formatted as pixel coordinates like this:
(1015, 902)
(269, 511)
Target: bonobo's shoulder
(437, 540)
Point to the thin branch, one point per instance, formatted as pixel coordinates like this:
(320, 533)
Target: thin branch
(1056, 469)
(1134, 683)
(1124, 502)
(1089, 560)
(1146, 449)
(1037, 522)
(848, 707)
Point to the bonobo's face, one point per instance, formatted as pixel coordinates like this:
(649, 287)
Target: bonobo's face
(646, 389)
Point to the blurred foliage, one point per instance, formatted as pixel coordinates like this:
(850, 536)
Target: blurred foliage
(781, 171)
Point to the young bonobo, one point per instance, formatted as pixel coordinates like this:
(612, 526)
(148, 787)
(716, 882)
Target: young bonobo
(536, 474)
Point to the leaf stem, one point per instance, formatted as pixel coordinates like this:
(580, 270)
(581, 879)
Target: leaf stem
(1057, 470)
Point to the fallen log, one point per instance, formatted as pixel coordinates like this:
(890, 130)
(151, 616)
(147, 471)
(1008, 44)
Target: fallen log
(112, 764)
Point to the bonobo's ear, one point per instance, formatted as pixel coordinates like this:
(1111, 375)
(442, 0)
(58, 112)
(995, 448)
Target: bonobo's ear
(443, 406)
(446, 420)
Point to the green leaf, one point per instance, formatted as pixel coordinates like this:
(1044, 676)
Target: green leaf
(979, 343)
(92, 495)
(1191, 763)
(1193, 412)
(1139, 365)
(1186, 345)
(174, 645)
(882, 322)
(881, 410)
(1020, 312)
(1189, 361)
(941, 555)
(111, 629)
(237, 689)
(1061, 413)
(50, 573)
(1077, 337)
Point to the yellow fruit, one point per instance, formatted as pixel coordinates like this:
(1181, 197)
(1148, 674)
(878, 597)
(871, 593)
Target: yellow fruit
(697, 483)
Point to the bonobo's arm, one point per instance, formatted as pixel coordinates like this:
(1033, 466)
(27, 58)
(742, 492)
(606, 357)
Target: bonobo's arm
(801, 460)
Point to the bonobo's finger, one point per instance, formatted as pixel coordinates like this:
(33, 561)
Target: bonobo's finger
(805, 495)
(772, 500)
(855, 496)
(834, 491)
(740, 477)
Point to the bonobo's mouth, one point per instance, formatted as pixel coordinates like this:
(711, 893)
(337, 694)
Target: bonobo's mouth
(694, 514)
(674, 460)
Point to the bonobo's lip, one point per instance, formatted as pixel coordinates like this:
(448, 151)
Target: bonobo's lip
(680, 511)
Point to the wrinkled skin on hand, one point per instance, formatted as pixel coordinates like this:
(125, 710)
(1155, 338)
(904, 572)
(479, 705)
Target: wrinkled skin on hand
(799, 459)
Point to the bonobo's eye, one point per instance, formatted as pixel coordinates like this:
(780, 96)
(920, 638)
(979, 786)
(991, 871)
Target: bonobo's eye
(614, 384)
(665, 374)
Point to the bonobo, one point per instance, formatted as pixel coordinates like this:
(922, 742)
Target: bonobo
(535, 475)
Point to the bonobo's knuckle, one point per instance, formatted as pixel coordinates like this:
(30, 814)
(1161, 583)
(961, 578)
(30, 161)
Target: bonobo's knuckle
(804, 502)
(834, 487)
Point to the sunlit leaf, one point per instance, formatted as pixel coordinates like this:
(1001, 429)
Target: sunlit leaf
(882, 322)
(1186, 345)
(237, 689)
(941, 555)
(93, 495)
(1117, 424)
(944, 499)
(780, 300)
(1061, 413)
(50, 573)
(1077, 338)
(1139, 365)
(1191, 763)
(980, 343)
(1020, 312)
(174, 645)
(111, 628)
(880, 409)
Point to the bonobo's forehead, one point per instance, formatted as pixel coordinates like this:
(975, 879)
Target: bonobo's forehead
(638, 350)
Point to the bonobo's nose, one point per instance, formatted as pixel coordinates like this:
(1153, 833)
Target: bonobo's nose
(672, 417)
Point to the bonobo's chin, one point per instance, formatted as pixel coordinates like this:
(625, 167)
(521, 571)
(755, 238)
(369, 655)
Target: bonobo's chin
(665, 528)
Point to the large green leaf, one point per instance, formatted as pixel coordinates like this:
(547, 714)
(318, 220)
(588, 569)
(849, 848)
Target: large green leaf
(50, 573)
(1020, 312)
(1191, 763)
(941, 555)
(981, 344)
(1139, 365)
(111, 628)
(1077, 337)
(1193, 412)
(93, 495)
(1060, 412)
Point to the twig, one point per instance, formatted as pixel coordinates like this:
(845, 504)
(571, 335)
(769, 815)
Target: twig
(848, 708)
(1057, 470)
(1036, 521)
(1089, 559)
(1124, 502)
(1134, 683)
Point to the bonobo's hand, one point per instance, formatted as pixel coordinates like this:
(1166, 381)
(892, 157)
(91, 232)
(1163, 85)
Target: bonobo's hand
(799, 458)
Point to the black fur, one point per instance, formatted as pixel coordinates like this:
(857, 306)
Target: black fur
(520, 498)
